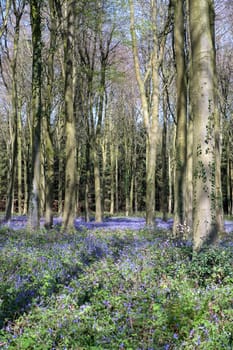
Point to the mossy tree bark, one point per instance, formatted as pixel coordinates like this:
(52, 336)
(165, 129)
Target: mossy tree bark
(205, 164)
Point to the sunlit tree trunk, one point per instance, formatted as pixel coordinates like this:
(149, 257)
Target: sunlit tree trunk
(205, 164)
(35, 11)
(71, 163)
(181, 118)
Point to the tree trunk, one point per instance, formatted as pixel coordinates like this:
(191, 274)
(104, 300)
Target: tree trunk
(164, 165)
(189, 176)
(34, 214)
(25, 179)
(71, 163)
(19, 166)
(181, 119)
(49, 148)
(116, 182)
(15, 112)
(205, 166)
(49, 176)
(104, 167)
(98, 197)
(87, 183)
(112, 191)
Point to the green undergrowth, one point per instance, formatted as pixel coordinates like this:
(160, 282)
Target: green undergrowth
(113, 290)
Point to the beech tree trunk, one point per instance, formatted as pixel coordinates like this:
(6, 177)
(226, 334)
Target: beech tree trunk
(205, 164)
(181, 119)
(34, 202)
(71, 163)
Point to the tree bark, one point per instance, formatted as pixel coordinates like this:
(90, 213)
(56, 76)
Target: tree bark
(49, 147)
(71, 163)
(34, 213)
(15, 112)
(205, 164)
(181, 119)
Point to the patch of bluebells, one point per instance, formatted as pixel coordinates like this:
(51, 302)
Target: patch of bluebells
(106, 289)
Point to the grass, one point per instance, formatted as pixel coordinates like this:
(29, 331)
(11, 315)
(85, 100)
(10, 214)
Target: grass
(113, 290)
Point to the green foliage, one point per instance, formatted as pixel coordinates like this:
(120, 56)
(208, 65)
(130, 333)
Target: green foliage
(212, 265)
(113, 290)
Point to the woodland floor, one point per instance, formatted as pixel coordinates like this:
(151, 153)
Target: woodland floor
(109, 223)
(116, 286)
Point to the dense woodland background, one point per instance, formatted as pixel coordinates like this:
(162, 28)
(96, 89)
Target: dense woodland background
(117, 106)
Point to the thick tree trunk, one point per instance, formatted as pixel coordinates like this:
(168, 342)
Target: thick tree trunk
(205, 165)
